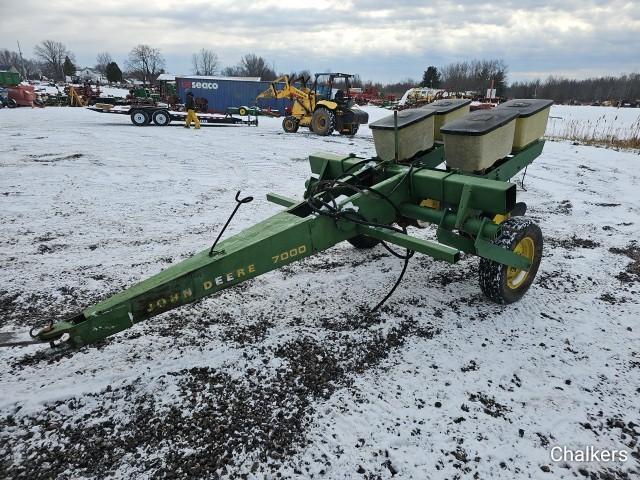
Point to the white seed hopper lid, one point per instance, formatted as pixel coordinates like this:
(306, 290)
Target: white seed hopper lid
(405, 118)
(526, 106)
(444, 106)
(480, 122)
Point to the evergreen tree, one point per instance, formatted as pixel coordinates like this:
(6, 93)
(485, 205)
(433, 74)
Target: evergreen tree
(68, 68)
(113, 72)
(431, 78)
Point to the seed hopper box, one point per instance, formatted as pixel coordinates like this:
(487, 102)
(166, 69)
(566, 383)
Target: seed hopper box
(415, 134)
(531, 124)
(475, 142)
(447, 111)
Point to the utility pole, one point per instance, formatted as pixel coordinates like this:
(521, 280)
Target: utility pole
(24, 70)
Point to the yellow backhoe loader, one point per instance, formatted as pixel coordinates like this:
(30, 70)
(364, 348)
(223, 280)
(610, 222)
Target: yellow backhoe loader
(325, 107)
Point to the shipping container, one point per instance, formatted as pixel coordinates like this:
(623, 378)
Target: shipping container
(224, 92)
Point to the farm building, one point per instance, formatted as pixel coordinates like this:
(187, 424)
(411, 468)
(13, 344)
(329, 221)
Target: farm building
(89, 74)
(224, 92)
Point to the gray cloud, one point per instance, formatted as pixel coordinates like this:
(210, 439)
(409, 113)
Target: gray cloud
(380, 40)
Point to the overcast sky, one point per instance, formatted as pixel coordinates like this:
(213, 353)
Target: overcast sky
(381, 40)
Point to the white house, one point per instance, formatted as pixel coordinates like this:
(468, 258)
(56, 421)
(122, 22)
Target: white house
(90, 74)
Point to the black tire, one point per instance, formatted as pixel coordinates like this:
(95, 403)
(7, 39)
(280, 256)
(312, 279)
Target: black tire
(290, 124)
(323, 121)
(242, 111)
(363, 242)
(520, 210)
(11, 103)
(140, 118)
(161, 118)
(504, 284)
(353, 129)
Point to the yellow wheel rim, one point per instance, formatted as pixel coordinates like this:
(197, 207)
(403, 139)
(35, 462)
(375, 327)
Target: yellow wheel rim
(515, 276)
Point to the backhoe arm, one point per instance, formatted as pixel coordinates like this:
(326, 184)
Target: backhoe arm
(289, 91)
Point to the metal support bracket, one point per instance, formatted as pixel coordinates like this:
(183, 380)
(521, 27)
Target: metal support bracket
(433, 249)
(463, 207)
(501, 255)
(281, 200)
(454, 240)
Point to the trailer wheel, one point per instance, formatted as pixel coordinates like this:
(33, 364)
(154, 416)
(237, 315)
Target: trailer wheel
(504, 284)
(140, 118)
(363, 242)
(323, 121)
(290, 124)
(161, 118)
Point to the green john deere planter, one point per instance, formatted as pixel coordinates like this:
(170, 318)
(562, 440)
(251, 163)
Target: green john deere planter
(364, 202)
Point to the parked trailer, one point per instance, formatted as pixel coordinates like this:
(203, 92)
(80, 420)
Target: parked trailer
(143, 115)
(254, 111)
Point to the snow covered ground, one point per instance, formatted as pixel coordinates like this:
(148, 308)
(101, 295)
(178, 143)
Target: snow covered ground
(284, 376)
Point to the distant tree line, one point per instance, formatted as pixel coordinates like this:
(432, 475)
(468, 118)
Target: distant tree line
(52, 59)
(55, 61)
(477, 75)
(621, 89)
(396, 88)
(144, 62)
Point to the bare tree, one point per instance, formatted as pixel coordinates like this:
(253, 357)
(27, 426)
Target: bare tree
(205, 62)
(52, 55)
(8, 57)
(299, 77)
(145, 63)
(27, 67)
(30, 68)
(396, 89)
(251, 65)
(302, 73)
(102, 60)
(475, 75)
(255, 66)
(235, 71)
